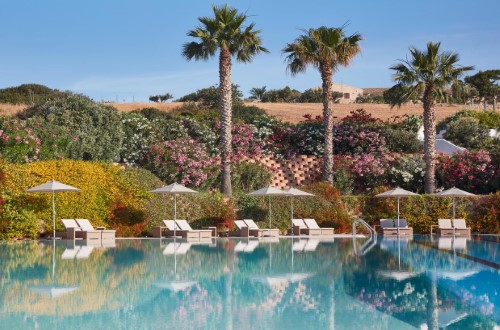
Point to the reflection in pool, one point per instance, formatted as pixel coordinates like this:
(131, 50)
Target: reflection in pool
(248, 283)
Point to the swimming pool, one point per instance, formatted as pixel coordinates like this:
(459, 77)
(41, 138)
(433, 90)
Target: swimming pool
(251, 284)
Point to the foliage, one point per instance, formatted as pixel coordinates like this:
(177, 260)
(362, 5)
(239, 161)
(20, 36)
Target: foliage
(359, 133)
(370, 99)
(23, 141)
(29, 94)
(473, 171)
(468, 133)
(309, 138)
(274, 136)
(200, 131)
(485, 214)
(139, 135)
(209, 97)
(257, 93)
(183, 160)
(393, 94)
(219, 211)
(248, 176)
(284, 95)
(248, 114)
(400, 140)
(101, 186)
(161, 98)
(368, 171)
(343, 179)
(244, 145)
(98, 128)
(407, 172)
(486, 82)
(486, 118)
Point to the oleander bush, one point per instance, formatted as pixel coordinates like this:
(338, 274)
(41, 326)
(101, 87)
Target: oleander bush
(467, 132)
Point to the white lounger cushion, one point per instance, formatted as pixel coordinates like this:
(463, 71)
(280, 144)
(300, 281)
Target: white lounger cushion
(299, 223)
(251, 224)
(402, 223)
(386, 223)
(445, 224)
(311, 224)
(171, 225)
(240, 224)
(459, 224)
(183, 225)
(70, 223)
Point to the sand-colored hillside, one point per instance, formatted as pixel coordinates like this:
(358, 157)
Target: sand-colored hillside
(289, 112)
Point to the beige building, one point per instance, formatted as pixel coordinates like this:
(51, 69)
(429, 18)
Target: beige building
(349, 93)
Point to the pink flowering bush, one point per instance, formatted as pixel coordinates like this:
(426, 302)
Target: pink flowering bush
(473, 171)
(185, 161)
(359, 133)
(24, 141)
(244, 143)
(368, 171)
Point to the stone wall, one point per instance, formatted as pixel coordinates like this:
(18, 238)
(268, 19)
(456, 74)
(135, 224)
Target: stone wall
(297, 171)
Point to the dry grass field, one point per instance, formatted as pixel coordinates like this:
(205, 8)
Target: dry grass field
(289, 112)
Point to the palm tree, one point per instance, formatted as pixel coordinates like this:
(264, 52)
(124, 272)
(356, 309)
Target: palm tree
(224, 32)
(425, 75)
(257, 93)
(325, 49)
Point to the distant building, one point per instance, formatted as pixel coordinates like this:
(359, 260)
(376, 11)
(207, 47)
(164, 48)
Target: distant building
(349, 93)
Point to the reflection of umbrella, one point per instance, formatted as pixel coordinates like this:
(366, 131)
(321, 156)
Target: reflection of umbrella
(296, 192)
(174, 189)
(53, 186)
(269, 191)
(454, 192)
(53, 291)
(398, 193)
(397, 275)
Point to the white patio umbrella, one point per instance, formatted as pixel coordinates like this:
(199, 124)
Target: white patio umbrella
(174, 189)
(269, 191)
(398, 193)
(296, 192)
(454, 192)
(53, 187)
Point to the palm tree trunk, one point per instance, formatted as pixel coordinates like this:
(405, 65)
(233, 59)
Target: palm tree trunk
(326, 76)
(225, 118)
(429, 141)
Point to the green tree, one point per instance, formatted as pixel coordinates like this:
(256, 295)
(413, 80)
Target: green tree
(257, 93)
(425, 75)
(209, 97)
(486, 82)
(226, 33)
(325, 49)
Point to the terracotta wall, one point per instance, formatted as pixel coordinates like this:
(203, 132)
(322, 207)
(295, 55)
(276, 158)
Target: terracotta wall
(294, 172)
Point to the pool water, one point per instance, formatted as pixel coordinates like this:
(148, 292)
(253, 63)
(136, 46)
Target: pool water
(223, 283)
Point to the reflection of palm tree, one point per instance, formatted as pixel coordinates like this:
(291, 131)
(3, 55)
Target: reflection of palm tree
(432, 305)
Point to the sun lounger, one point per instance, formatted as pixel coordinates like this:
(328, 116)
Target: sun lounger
(300, 228)
(202, 233)
(402, 225)
(460, 227)
(445, 228)
(172, 227)
(312, 224)
(246, 246)
(254, 230)
(86, 226)
(305, 245)
(241, 229)
(70, 253)
(299, 245)
(176, 248)
(74, 230)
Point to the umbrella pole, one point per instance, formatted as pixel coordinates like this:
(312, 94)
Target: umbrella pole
(453, 218)
(398, 216)
(270, 212)
(175, 213)
(53, 216)
(291, 202)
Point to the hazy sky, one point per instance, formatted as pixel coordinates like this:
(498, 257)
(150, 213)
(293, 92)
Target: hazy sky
(131, 49)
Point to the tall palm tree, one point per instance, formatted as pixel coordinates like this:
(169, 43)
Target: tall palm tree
(325, 49)
(226, 33)
(425, 75)
(257, 93)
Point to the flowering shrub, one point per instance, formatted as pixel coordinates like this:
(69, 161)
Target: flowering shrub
(368, 171)
(485, 213)
(219, 211)
(140, 134)
(183, 160)
(274, 136)
(358, 134)
(243, 142)
(407, 172)
(24, 141)
(309, 138)
(201, 132)
(472, 171)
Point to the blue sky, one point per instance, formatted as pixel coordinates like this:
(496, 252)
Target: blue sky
(131, 49)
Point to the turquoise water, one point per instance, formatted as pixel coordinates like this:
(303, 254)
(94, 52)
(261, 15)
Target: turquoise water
(251, 284)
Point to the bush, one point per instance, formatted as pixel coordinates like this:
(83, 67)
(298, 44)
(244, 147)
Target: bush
(29, 94)
(183, 160)
(368, 171)
(275, 137)
(209, 97)
(485, 214)
(467, 132)
(473, 171)
(309, 138)
(359, 133)
(248, 114)
(97, 127)
(401, 141)
(407, 172)
(106, 197)
(488, 119)
(139, 134)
